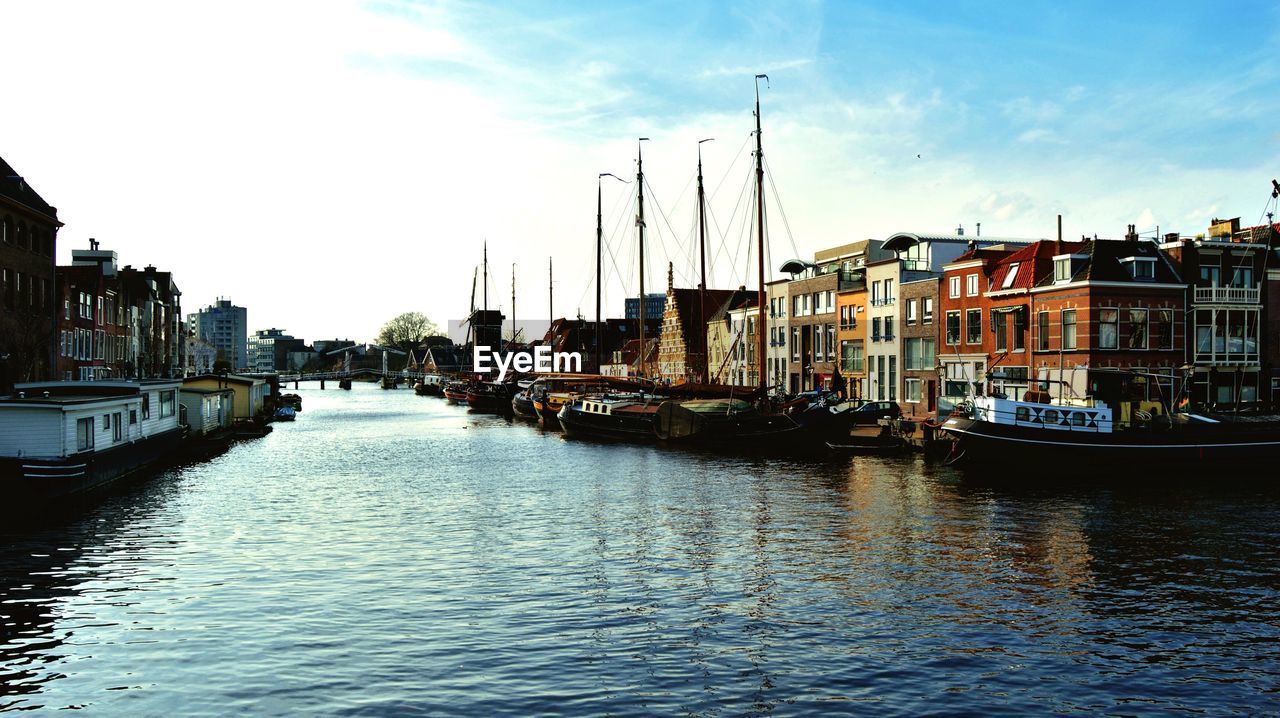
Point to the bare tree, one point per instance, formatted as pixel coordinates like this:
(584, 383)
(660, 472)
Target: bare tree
(406, 331)
(27, 339)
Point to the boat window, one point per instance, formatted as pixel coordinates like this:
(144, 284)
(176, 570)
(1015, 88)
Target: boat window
(1050, 416)
(84, 434)
(1022, 414)
(1077, 418)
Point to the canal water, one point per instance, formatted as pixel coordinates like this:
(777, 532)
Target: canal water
(388, 554)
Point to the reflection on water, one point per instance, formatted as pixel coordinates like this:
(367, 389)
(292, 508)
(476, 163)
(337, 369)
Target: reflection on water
(390, 554)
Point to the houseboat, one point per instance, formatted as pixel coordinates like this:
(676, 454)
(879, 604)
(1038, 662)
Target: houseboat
(1040, 432)
(610, 418)
(62, 438)
(430, 385)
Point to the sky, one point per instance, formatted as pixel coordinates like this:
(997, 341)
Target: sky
(331, 164)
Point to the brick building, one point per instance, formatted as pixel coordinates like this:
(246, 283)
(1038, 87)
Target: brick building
(28, 312)
(919, 346)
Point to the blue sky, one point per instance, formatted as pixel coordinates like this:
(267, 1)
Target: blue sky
(370, 147)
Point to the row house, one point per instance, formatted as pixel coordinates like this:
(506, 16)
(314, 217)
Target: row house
(964, 350)
(1225, 271)
(1108, 314)
(919, 346)
(732, 344)
(28, 311)
(117, 323)
(776, 355)
(813, 349)
(851, 313)
(918, 272)
(682, 339)
(883, 342)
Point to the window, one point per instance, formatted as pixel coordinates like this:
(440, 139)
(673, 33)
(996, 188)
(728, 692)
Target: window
(971, 285)
(1042, 331)
(795, 344)
(1019, 330)
(84, 434)
(888, 291)
(911, 311)
(880, 378)
(117, 428)
(1143, 269)
(893, 378)
(919, 353)
(1062, 270)
(953, 328)
(1108, 329)
(106, 422)
(1068, 329)
(888, 328)
(1211, 276)
(926, 313)
(146, 406)
(875, 329)
(795, 309)
(1164, 328)
(1242, 277)
(1000, 327)
(875, 293)
(851, 359)
(912, 390)
(1137, 329)
(1010, 274)
(973, 326)
(954, 283)
(133, 416)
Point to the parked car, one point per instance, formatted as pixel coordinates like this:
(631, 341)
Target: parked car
(871, 412)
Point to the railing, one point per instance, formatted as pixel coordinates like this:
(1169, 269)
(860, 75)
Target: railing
(1227, 295)
(882, 301)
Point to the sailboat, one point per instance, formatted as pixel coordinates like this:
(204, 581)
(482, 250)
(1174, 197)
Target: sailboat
(738, 422)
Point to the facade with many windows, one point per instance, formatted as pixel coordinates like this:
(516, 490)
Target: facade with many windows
(28, 312)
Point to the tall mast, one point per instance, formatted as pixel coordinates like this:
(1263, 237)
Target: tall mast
(471, 321)
(485, 320)
(551, 293)
(702, 254)
(640, 226)
(600, 264)
(760, 235)
(513, 303)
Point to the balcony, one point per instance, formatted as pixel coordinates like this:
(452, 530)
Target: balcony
(1227, 295)
(882, 301)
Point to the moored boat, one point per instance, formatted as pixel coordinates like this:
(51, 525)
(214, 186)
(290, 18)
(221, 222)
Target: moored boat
(995, 431)
(491, 397)
(430, 385)
(61, 438)
(455, 392)
(625, 418)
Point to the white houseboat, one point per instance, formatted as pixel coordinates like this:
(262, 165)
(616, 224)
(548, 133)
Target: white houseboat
(1046, 433)
(60, 438)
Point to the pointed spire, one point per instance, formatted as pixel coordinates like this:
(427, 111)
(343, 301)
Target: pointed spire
(671, 281)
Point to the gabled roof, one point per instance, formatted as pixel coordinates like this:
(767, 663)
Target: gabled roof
(1032, 263)
(15, 188)
(1103, 262)
(691, 322)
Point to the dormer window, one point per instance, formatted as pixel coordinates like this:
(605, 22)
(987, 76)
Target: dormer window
(1062, 270)
(1142, 269)
(1010, 275)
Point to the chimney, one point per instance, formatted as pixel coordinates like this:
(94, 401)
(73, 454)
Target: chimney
(1132, 234)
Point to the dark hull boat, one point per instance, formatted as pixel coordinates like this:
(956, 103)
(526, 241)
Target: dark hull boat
(992, 432)
(456, 393)
(522, 406)
(609, 420)
(490, 397)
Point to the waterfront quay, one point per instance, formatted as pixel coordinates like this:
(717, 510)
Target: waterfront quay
(390, 554)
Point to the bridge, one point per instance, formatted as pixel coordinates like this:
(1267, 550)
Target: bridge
(353, 374)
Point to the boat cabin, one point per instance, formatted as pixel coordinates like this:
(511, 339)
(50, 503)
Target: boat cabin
(1080, 415)
(207, 410)
(54, 420)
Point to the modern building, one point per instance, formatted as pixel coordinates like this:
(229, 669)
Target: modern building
(226, 327)
(271, 350)
(28, 311)
(654, 304)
